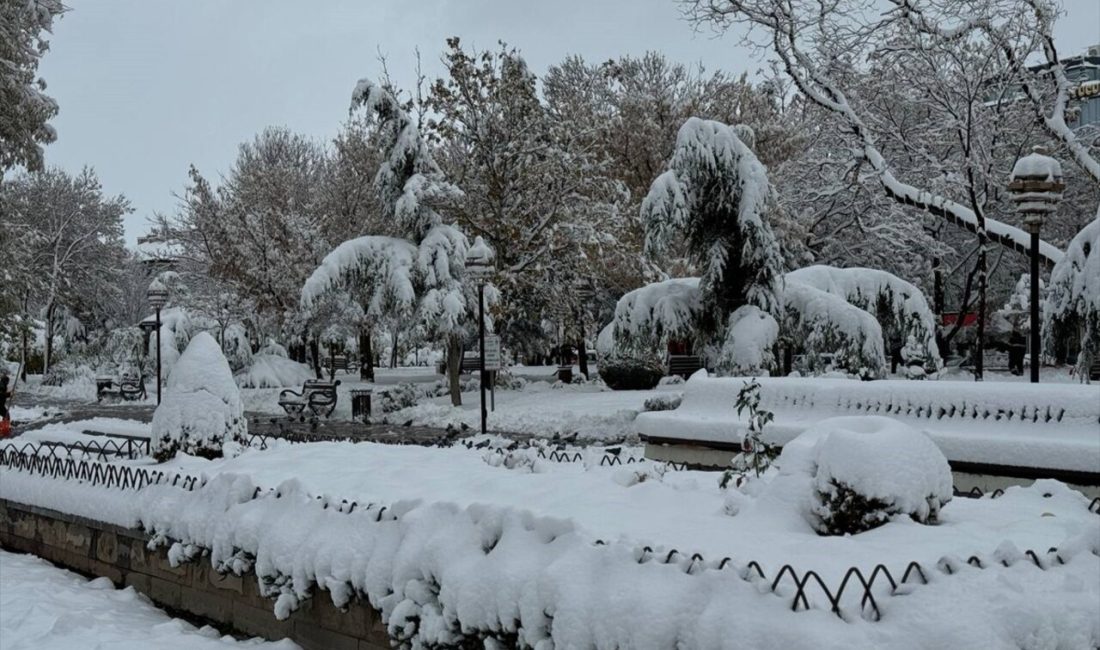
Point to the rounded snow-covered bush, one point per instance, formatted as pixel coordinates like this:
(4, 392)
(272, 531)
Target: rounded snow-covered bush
(866, 470)
(201, 409)
(631, 373)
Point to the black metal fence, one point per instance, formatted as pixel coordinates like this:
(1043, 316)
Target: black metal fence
(858, 590)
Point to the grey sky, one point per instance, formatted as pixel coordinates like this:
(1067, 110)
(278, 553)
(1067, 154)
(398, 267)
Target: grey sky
(147, 87)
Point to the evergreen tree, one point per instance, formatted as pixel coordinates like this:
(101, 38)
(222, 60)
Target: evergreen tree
(715, 198)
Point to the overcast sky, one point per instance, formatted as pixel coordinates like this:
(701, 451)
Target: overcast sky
(148, 87)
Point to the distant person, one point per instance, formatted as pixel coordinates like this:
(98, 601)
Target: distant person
(1017, 350)
(5, 393)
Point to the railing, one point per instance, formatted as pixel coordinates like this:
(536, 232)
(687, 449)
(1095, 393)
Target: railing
(129, 449)
(804, 589)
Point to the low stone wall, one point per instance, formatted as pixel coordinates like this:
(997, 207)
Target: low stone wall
(121, 554)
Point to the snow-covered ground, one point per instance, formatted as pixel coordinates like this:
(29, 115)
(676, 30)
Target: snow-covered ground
(74, 431)
(633, 503)
(43, 607)
(476, 546)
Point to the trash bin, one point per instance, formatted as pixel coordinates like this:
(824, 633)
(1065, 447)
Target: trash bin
(360, 404)
(565, 374)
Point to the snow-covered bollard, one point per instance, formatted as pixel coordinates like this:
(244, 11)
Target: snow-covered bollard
(866, 470)
(202, 408)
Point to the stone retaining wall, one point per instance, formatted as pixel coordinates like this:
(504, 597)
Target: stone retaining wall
(121, 554)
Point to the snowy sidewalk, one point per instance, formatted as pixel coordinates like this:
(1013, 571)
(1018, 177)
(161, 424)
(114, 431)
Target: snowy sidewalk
(46, 608)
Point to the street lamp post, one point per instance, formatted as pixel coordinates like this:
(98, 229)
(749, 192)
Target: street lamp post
(158, 297)
(479, 265)
(1036, 187)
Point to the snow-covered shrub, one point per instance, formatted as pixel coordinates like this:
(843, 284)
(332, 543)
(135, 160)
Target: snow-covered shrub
(506, 380)
(524, 460)
(750, 341)
(825, 324)
(671, 380)
(68, 372)
(913, 356)
(640, 473)
(865, 470)
(273, 371)
(631, 373)
(666, 402)
(202, 409)
(649, 316)
(236, 346)
(397, 397)
(899, 306)
(1072, 309)
(272, 348)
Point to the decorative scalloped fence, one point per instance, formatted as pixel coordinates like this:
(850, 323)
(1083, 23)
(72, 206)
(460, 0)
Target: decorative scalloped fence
(858, 592)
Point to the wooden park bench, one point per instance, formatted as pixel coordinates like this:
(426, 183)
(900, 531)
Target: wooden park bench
(684, 365)
(338, 362)
(127, 387)
(470, 364)
(317, 395)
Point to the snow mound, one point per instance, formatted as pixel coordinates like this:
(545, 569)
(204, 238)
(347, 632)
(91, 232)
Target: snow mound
(273, 371)
(202, 406)
(867, 470)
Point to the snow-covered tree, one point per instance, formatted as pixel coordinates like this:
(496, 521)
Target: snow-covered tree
(818, 49)
(647, 318)
(422, 268)
(534, 188)
(70, 240)
(1072, 310)
(202, 409)
(25, 109)
(716, 200)
(827, 331)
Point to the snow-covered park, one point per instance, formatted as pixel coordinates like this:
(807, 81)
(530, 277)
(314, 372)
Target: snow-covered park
(775, 327)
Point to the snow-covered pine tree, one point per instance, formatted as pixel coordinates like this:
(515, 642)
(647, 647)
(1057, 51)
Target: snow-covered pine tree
(715, 197)
(422, 268)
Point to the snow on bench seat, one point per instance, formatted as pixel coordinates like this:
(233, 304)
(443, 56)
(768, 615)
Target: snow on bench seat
(1044, 426)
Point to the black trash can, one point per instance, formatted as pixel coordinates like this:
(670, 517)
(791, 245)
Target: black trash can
(565, 374)
(360, 404)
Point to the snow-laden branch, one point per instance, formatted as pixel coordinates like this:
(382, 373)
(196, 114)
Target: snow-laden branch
(817, 85)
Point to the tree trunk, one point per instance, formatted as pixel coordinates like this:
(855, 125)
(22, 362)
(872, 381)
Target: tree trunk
(366, 354)
(26, 354)
(454, 367)
(366, 368)
(315, 358)
(937, 304)
(983, 285)
(47, 362)
(393, 349)
(582, 352)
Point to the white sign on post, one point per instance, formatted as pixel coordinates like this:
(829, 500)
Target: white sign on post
(492, 352)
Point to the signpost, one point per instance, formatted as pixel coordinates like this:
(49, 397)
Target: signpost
(492, 365)
(492, 352)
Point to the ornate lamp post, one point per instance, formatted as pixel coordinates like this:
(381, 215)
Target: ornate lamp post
(1036, 187)
(158, 297)
(479, 265)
